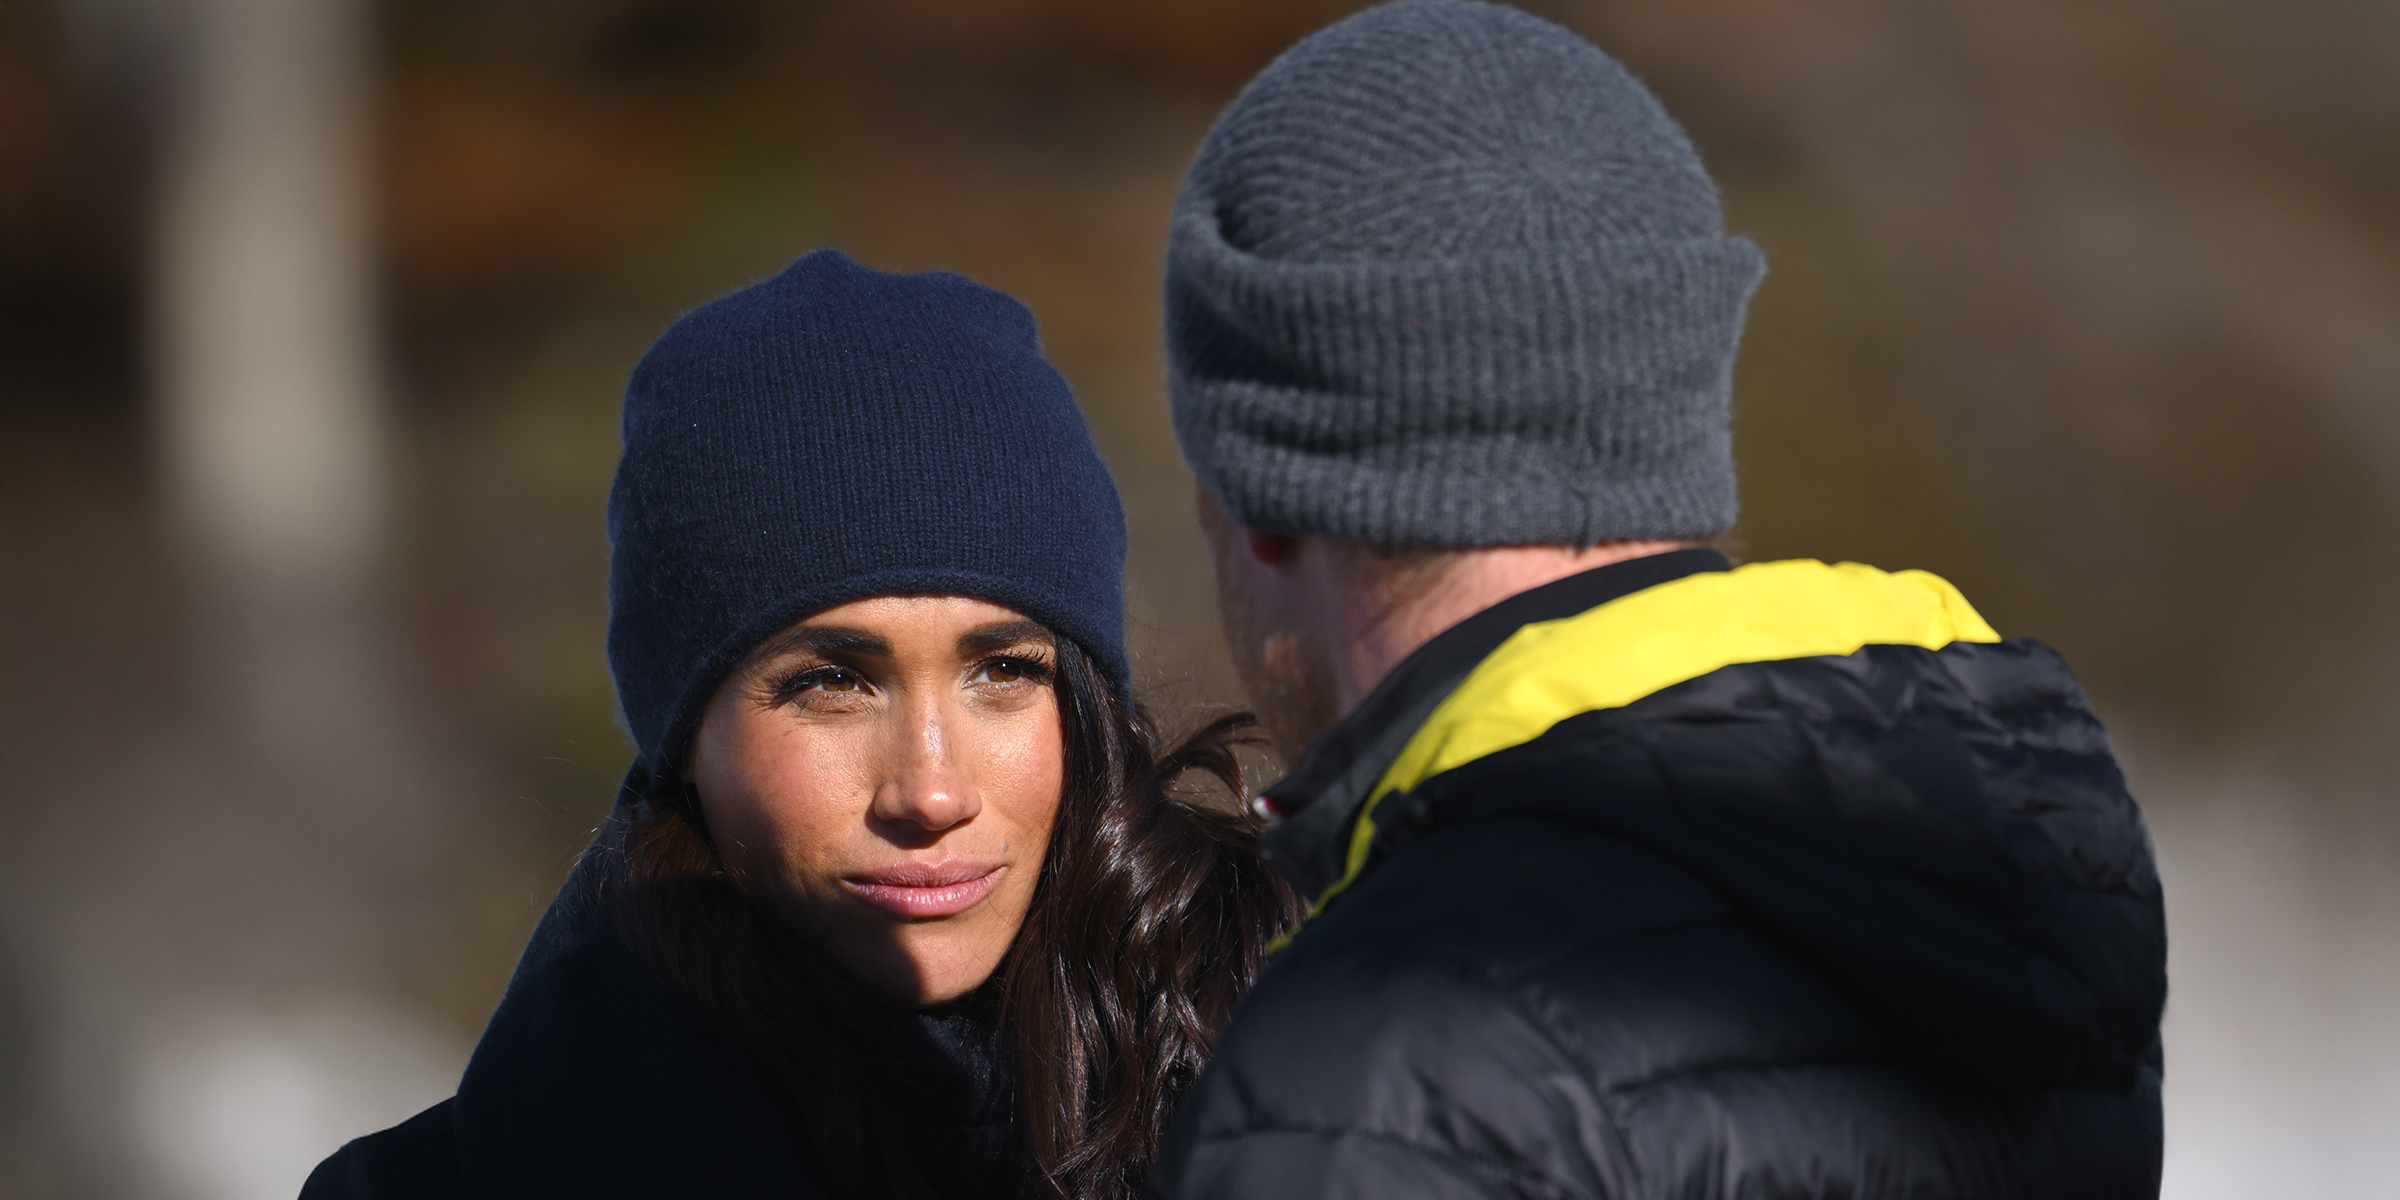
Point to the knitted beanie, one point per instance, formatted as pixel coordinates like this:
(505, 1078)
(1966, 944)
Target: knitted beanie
(835, 433)
(1444, 274)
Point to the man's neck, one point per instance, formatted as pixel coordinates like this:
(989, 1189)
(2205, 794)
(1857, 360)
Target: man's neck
(1374, 637)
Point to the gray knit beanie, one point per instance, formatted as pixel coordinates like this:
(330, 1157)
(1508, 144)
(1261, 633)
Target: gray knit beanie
(1445, 274)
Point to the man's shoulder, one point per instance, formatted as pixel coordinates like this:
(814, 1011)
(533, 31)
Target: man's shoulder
(1508, 1000)
(1498, 898)
(1522, 1006)
(1524, 938)
(414, 1160)
(1367, 1054)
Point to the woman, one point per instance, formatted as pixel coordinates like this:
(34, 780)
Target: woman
(894, 901)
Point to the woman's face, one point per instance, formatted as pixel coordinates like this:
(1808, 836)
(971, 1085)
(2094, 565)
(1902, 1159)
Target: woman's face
(885, 775)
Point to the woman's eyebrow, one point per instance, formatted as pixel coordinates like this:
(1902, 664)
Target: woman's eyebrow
(987, 638)
(822, 639)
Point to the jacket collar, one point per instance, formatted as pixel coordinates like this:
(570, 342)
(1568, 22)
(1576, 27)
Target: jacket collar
(1319, 801)
(596, 1079)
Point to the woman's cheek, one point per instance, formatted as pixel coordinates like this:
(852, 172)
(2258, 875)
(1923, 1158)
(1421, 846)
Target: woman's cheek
(1037, 775)
(819, 803)
(771, 821)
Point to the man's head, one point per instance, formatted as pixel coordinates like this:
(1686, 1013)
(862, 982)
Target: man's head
(1447, 277)
(1300, 617)
(1314, 623)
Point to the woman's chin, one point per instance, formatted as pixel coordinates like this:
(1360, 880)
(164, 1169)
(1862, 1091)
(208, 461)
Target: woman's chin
(922, 971)
(939, 992)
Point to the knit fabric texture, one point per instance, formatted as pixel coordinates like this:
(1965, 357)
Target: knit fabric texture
(835, 433)
(1445, 274)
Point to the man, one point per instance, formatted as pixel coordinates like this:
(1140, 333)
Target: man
(1634, 874)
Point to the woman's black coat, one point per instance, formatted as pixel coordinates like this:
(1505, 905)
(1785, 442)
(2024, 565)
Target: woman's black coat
(596, 1081)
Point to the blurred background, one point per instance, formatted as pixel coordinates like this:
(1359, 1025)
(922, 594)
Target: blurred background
(314, 316)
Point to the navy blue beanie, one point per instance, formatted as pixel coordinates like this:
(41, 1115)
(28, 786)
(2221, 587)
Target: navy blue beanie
(835, 433)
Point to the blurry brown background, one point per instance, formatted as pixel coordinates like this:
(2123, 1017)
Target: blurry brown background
(314, 313)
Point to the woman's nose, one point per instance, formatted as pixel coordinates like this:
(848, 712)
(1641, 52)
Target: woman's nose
(929, 784)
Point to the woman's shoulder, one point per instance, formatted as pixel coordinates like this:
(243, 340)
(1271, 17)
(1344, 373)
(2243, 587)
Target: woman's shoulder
(414, 1160)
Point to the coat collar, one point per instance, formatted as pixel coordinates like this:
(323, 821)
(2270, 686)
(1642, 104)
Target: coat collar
(595, 1080)
(1318, 803)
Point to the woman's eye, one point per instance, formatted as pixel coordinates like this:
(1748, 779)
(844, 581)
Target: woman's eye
(1006, 670)
(836, 680)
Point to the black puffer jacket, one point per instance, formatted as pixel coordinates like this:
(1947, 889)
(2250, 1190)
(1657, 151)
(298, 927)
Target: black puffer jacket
(1788, 881)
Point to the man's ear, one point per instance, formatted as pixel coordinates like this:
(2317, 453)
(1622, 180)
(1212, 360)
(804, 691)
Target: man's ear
(1265, 549)
(1270, 549)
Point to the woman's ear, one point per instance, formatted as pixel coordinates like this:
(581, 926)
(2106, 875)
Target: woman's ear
(684, 795)
(672, 791)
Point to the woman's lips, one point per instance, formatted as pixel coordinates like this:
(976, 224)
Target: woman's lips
(942, 889)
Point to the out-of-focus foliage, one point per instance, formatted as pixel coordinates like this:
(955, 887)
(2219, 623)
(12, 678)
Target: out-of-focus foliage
(2089, 304)
(2092, 305)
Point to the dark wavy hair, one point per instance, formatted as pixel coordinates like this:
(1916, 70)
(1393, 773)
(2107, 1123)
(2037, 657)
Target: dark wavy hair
(1150, 920)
